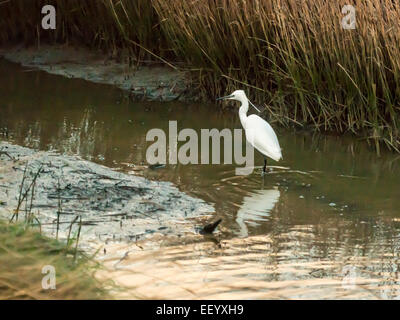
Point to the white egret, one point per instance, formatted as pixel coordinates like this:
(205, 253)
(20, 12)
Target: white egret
(259, 133)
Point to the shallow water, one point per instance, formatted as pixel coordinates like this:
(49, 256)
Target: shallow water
(334, 200)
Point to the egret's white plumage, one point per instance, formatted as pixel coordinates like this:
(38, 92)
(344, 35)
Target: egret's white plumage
(259, 133)
(262, 137)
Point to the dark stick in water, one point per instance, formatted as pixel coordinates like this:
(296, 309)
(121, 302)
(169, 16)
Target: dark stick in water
(209, 228)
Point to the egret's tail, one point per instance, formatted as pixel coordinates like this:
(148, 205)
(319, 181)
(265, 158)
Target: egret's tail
(276, 155)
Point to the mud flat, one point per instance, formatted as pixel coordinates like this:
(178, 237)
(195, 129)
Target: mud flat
(153, 82)
(107, 205)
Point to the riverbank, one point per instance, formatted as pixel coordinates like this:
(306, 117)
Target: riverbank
(65, 195)
(64, 210)
(152, 81)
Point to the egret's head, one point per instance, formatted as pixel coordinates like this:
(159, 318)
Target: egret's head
(238, 95)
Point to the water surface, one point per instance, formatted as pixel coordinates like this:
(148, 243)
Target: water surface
(333, 199)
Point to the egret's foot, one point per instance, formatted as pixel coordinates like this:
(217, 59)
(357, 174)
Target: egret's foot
(266, 171)
(263, 173)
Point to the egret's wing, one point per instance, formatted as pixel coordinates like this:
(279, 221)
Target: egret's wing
(262, 137)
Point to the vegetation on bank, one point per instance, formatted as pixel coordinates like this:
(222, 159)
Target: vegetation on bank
(293, 56)
(33, 266)
(24, 253)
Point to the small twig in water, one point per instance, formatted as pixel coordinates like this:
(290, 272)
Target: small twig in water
(70, 228)
(77, 238)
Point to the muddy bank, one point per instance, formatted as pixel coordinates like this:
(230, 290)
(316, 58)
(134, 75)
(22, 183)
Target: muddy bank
(108, 205)
(153, 82)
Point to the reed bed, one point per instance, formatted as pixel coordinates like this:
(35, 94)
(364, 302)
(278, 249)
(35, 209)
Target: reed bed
(292, 56)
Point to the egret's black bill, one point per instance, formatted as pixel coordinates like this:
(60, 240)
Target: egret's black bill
(223, 98)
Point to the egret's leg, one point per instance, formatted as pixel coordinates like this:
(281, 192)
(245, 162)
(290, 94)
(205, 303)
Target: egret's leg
(265, 165)
(262, 181)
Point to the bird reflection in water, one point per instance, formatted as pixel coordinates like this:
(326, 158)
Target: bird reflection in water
(255, 209)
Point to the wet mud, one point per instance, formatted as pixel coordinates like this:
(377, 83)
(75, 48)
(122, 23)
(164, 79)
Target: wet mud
(61, 190)
(151, 82)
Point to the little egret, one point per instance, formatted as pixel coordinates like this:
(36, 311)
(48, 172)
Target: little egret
(259, 133)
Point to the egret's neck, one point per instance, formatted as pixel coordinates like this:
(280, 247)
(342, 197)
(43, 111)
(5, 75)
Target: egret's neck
(243, 111)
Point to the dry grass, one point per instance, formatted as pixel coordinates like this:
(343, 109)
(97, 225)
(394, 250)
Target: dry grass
(23, 254)
(292, 55)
